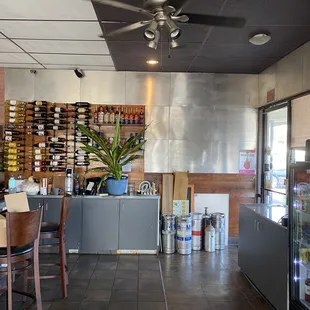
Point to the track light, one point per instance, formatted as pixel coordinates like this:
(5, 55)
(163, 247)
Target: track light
(153, 44)
(174, 30)
(150, 31)
(174, 44)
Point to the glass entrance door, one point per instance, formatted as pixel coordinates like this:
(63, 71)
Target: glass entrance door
(275, 156)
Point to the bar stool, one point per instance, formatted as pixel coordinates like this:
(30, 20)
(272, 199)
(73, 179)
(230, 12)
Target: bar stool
(22, 234)
(57, 231)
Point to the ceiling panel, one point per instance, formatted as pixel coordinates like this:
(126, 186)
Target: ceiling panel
(50, 30)
(83, 67)
(47, 9)
(21, 58)
(63, 47)
(78, 60)
(6, 46)
(22, 66)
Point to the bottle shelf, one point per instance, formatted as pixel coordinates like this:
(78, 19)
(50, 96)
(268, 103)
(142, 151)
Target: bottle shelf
(113, 125)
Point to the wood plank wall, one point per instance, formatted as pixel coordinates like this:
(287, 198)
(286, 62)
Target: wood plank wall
(241, 189)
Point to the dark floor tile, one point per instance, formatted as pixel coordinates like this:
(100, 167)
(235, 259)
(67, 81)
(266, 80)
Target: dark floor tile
(128, 258)
(50, 294)
(46, 305)
(189, 302)
(222, 293)
(65, 305)
(125, 284)
(259, 303)
(16, 305)
(94, 305)
(250, 293)
(108, 258)
(74, 293)
(151, 295)
(72, 258)
(81, 274)
(105, 284)
(150, 284)
(103, 274)
(149, 265)
(151, 306)
(106, 265)
(91, 258)
(194, 294)
(149, 274)
(48, 258)
(84, 265)
(231, 305)
(148, 257)
(124, 295)
(123, 306)
(126, 274)
(128, 265)
(204, 306)
(78, 283)
(97, 295)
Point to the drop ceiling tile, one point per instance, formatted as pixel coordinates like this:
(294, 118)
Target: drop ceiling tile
(76, 60)
(47, 9)
(63, 47)
(65, 30)
(83, 67)
(19, 58)
(21, 66)
(6, 46)
(2, 36)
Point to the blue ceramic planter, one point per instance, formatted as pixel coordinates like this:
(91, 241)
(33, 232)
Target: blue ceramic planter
(116, 187)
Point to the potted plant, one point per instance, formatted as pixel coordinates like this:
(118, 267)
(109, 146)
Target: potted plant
(113, 156)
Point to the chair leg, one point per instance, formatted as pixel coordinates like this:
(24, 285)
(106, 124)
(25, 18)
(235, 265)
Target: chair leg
(9, 284)
(36, 271)
(25, 281)
(63, 268)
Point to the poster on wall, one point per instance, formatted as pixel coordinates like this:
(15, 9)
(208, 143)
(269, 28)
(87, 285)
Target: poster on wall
(247, 161)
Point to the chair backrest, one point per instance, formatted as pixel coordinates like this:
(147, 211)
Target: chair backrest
(65, 207)
(23, 227)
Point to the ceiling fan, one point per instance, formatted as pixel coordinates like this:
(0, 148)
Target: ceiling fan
(161, 14)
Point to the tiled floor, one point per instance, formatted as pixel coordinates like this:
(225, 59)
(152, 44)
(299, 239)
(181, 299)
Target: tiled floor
(200, 281)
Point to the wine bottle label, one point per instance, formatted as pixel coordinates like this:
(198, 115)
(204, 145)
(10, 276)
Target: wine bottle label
(81, 116)
(55, 127)
(12, 120)
(37, 169)
(40, 127)
(56, 157)
(8, 138)
(81, 158)
(54, 139)
(38, 157)
(12, 144)
(41, 133)
(12, 108)
(81, 152)
(307, 289)
(54, 163)
(57, 109)
(38, 103)
(37, 163)
(12, 114)
(56, 121)
(37, 151)
(81, 110)
(36, 109)
(12, 157)
(42, 145)
(14, 151)
(81, 122)
(8, 133)
(56, 115)
(12, 102)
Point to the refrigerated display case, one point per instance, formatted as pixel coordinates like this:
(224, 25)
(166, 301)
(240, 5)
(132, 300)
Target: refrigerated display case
(299, 232)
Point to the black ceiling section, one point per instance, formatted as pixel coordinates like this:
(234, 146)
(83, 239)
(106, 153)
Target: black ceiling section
(217, 49)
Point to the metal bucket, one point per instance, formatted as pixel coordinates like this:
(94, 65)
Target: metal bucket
(168, 240)
(168, 222)
(197, 231)
(218, 222)
(184, 234)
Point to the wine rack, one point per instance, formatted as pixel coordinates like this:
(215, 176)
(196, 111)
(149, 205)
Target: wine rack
(41, 138)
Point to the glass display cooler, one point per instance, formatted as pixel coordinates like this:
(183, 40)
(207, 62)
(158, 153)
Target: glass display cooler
(299, 215)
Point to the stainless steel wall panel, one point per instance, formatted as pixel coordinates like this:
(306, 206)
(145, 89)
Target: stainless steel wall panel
(191, 123)
(192, 89)
(19, 84)
(306, 66)
(103, 87)
(147, 88)
(158, 118)
(266, 82)
(289, 75)
(156, 156)
(57, 86)
(236, 89)
(193, 156)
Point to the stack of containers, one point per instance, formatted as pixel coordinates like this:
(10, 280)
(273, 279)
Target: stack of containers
(184, 234)
(168, 233)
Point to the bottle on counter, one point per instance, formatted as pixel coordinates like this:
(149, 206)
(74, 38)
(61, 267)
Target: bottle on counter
(126, 116)
(77, 184)
(101, 115)
(106, 116)
(131, 117)
(112, 116)
(12, 185)
(96, 116)
(136, 117)
(116, 115)
(122, 120)
(69, 182)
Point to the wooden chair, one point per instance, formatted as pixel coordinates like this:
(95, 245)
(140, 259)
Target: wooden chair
(22, 233)
(57, 231)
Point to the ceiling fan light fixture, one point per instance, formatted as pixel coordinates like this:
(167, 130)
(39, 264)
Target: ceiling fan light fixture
(260, 39)
(174, 30)
(174, 44)
(150, 31)
(154, 43)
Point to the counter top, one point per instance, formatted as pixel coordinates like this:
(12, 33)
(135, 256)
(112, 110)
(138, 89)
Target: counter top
(99, 197)
(271, 212)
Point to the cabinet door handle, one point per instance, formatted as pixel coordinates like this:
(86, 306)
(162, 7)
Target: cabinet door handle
(255, 225)
(258, 226)
(46, 207)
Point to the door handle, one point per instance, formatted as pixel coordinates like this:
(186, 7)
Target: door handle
(255, 225)
(46, 206)
(258, 226)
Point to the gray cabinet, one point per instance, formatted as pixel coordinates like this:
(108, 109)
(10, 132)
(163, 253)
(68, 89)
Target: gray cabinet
(138, 224)
(100, 225)
(34, 202)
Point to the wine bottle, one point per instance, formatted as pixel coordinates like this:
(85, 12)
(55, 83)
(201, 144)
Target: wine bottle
(14, 156)
(12, 132)
(40, 121)
(58, 110)
(56, 139)
(14, 151)
(96, 116)
(13, 102)
(59, 121)
(112, 116)
(57, 157)
(38, 157)
(14, 169)
(55, 127)
(81, 152)
(136, 117)
(56, 151)
(13, 138)
(39, 133)
(101, 115)
(106, 116)
(81, 139)
(131, 117)
(12, 126)
(16, 115)
(13, 163)
(39, 169)
(141, 116)
(38, 109)
(56, 115)
(81, 110)
(116, 115)
(38, 127)
(36, 151)
(83, 116)
(15, 120)
(15, 109)
(85, 163)
(39, 163)
(122, 120)
(81, 104)
(57, 145)
(81, 158)
(57, 169)
(126, 116)
(82, 122)
(41, 145)
(38, 115)
(56, 163)
(40, 103)
(12, 144)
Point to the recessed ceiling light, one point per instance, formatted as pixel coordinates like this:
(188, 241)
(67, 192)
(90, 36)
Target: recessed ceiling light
(260, 39)
(152, 62)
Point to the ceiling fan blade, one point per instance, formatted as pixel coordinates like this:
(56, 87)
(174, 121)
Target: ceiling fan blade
(179, 5)
(214, 20)
(169, 9)
(181, 18)
(128, 28)
(124, 6)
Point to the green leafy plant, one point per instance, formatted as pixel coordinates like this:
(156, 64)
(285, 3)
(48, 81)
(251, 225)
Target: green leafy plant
(113, 156)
